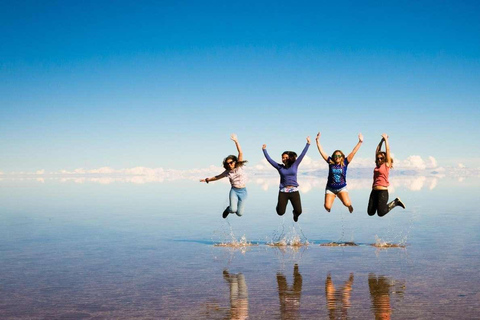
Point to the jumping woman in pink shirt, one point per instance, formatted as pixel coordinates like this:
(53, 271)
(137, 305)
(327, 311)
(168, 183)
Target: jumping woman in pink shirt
(379, 195)
(234, 171)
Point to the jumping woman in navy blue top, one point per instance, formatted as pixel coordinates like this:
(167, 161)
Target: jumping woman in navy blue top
(337, 174)
(288, 180)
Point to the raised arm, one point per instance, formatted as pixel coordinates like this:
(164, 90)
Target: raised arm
(379, 148)
(320, 149)
(304, 152)
(233, 136)
(387, 150)
(354, 151)
(270, 160)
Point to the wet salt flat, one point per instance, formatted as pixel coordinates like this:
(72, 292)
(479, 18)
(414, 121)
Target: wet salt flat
(90, 249)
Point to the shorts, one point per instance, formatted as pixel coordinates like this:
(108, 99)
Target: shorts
(329, 190)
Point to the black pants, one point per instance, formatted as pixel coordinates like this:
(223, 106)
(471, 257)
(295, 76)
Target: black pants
(378, 203)
(294, 198)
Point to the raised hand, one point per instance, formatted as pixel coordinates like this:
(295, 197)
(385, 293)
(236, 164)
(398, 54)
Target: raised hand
(360, 137)
(264, 147)
(233, 136)
(318, 136)
(308, 139)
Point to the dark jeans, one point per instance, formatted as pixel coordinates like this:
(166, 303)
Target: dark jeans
(378, 203)
(294, 198)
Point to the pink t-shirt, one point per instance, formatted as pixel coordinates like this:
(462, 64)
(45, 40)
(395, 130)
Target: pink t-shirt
(236, 176)
(380, 176)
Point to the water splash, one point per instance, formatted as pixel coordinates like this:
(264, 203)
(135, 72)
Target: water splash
(234, 243)
(379, 243)
(290, 239)
(229, 239)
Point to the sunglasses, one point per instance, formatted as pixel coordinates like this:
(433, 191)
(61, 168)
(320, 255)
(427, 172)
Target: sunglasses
(230, 162)
(380, 158)
(337, 156)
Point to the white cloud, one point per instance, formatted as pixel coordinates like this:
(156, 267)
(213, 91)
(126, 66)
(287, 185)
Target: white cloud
(412, 162)
(432, 162)
(413, 173)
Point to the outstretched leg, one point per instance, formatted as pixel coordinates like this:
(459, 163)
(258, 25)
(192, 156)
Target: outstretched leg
(242, 196)
(343, 196)
(329, 197)
(233, 197)
(297, 205)
(282, 203)
(372, 203)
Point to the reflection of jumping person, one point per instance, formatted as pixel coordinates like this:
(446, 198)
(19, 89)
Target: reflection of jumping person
(290, 297)
(379, 195)
(234, 171)
(341, 297)
(380, 295)
(337, 174)
(288, 180)
(238, 295)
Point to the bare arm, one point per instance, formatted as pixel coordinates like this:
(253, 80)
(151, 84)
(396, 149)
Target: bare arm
(354, 151)
(320, 149)
(207, 180)
(387, 150)
(233, 136)
(379, 148)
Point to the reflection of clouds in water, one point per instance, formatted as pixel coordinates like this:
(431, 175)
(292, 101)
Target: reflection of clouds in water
(307, 184)
(417, 183)
(413, 173)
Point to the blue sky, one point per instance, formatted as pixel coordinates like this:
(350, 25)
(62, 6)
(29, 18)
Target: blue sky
(163, 83)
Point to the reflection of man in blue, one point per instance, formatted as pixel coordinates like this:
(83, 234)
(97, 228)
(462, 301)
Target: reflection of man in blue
(290, 297)
(238, 295)
(338, 300)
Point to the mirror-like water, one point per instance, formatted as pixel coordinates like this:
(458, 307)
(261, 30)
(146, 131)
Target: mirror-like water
(121, 250)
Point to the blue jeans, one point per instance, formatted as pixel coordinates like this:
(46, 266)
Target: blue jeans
(237, 200)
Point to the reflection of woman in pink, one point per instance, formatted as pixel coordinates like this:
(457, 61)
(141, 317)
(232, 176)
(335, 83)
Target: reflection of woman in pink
(379, 195)
(380, 295)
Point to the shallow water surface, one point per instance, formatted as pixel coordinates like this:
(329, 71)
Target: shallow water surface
(122, 250)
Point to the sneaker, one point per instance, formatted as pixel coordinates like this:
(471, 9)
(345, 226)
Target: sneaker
(399, 203)
(225, 213)
(350, 209)
(295, 216)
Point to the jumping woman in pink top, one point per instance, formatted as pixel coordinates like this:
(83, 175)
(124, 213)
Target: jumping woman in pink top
(379, 195)
(234, 171)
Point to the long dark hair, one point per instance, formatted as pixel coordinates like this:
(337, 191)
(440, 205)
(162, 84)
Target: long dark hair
(292, 157)
(233, 158)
